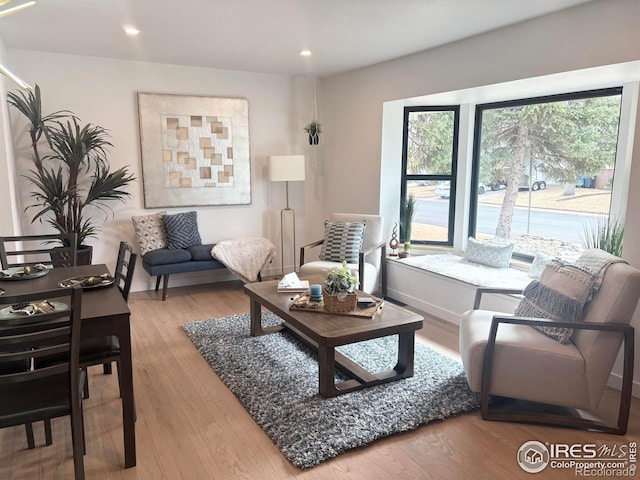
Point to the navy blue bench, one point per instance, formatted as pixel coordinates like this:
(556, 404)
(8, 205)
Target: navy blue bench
(164, 262)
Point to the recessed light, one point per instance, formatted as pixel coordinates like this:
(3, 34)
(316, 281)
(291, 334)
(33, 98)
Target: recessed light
(305, 53)
(130, 30)
(15, 9)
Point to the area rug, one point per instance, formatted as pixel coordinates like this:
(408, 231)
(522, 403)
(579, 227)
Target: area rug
(275, 377)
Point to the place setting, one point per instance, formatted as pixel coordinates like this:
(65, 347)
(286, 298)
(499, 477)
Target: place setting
(88, 282)
(28, 272)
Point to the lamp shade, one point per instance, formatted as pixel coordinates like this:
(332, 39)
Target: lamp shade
(286, 168)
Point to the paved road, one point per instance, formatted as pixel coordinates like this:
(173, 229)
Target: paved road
(548, 223)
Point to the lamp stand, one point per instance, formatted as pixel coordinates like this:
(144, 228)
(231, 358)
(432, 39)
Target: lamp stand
(293, 219)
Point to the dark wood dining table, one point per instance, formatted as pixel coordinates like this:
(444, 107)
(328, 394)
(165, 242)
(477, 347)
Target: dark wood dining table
(104, 312)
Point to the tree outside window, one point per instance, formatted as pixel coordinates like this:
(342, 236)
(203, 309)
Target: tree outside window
(549, 164)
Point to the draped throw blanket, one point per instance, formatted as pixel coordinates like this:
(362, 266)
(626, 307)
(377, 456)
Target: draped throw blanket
(244, 257)
(598, 261)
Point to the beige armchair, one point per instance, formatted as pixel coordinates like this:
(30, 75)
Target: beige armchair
(371, 258)
(505, 357)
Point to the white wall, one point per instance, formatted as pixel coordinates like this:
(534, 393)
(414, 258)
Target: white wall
(103, 92)
(9, 224)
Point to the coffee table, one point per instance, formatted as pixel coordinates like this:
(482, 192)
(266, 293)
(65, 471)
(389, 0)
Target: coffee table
(325, 332)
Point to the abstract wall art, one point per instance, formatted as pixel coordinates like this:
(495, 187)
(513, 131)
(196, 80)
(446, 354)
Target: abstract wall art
(195, 150)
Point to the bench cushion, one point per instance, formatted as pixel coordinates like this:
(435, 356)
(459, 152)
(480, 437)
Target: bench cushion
(201, 252)
(165, 256)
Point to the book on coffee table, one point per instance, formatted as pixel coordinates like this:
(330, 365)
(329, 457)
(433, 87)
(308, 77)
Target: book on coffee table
(290, 283)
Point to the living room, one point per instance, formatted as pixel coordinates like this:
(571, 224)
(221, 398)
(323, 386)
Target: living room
(350, 154)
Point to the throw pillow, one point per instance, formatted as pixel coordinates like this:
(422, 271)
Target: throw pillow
(540, 261)
(492, 253)
(150, 231)
(342, 241)
(560, 294)
(182, 230)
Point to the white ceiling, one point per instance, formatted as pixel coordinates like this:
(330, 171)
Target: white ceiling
(260, 35)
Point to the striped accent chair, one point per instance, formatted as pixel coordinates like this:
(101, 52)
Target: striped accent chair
(356, 238)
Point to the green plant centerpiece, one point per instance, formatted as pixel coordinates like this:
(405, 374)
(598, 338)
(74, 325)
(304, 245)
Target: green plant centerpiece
(314, 129)
(407, 211)
(70, 169)
(339, 290)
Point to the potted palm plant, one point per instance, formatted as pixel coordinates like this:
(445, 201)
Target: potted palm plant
(70, 170)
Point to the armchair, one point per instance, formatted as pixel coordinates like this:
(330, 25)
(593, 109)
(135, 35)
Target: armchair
(503, 356)
(370, 263)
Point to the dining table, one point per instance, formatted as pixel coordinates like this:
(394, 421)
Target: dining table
(104, 312)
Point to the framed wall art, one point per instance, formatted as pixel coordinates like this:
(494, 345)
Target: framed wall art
(195, 150)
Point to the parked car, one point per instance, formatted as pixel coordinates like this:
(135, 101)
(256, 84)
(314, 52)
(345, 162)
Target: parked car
(444, 188)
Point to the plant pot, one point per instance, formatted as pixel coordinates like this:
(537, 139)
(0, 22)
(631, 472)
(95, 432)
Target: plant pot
(314, 139)
(84, 255)
(339, 303)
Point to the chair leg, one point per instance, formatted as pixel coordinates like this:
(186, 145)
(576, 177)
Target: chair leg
(165, 285)
(106, 368)
(85, 388)
(158, 278)
(47, 432)
(30, 440)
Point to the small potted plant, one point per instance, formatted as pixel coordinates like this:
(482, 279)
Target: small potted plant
(338, 293)
(407, 210)
(314, 129)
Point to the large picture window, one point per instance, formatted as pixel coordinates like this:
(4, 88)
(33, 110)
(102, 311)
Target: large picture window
(547, 165)
(430, 140)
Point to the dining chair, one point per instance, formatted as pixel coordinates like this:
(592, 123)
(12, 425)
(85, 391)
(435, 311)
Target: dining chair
(49, 325)
(105, 350)
(29, 250)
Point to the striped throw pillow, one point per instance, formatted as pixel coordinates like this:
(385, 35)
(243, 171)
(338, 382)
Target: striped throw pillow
(342, 241)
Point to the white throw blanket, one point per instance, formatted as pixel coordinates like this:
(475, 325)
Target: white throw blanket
(598, 261)
(244, 256)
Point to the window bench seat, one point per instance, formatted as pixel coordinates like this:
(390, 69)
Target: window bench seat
(444, 285)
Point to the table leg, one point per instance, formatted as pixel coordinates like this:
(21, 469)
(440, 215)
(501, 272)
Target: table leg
(406, 344)
(326, 371)
(128, 403)
(255, 310)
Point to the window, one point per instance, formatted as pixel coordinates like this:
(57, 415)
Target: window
(430, 139)
(547, 165)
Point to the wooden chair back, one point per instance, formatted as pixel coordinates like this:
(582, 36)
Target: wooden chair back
(125, 266)
(29, 250)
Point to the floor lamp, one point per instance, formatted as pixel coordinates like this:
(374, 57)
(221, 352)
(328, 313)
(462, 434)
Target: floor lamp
(287, 168)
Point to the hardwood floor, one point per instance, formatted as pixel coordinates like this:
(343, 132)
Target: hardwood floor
(191, 427)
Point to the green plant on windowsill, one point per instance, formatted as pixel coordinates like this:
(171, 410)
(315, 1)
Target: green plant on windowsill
(407, 211)
(604, 233)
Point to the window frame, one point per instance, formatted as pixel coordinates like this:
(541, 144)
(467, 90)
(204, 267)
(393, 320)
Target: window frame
(452, 177)
(477, 140)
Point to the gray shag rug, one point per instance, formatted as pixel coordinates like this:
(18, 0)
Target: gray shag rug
(275, 377)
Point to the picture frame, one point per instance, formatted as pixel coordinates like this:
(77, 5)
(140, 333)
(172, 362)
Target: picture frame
(194, 150)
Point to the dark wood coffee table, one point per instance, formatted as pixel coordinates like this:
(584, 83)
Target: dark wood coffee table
(325, 332)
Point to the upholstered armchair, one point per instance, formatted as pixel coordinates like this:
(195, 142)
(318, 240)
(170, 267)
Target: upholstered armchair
(504, 356)
(344, 240)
